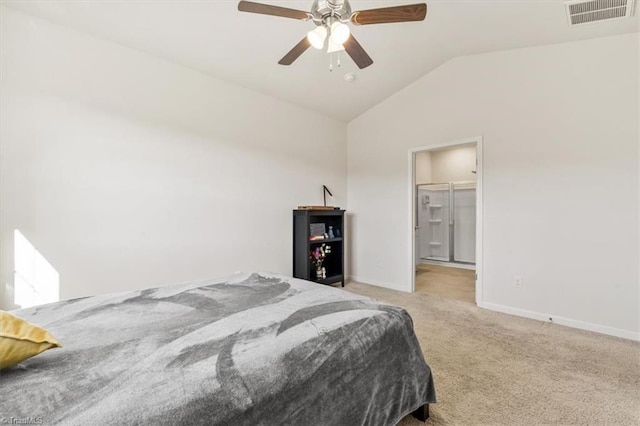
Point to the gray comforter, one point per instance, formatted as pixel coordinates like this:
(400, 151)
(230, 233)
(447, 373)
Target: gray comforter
(247, 349)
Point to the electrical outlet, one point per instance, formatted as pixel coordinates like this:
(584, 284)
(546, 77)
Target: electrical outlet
(379, 263)
(517, 281)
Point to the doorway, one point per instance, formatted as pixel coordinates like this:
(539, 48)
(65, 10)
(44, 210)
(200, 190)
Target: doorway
(446, 189)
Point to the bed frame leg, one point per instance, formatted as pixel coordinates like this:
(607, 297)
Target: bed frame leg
(422, 413)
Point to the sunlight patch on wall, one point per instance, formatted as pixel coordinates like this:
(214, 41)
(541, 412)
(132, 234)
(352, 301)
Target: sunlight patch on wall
(36, 282)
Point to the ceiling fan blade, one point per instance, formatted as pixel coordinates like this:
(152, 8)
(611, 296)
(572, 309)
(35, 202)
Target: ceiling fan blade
(295, 53)
(406, 13)
(357, 53)
(267, 9)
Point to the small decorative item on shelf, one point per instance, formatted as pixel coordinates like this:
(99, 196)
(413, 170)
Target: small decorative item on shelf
(316, 231)
(337, 233)
(331, 234)
(317, 256)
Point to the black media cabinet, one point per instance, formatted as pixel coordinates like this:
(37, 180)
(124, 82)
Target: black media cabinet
(303, 267)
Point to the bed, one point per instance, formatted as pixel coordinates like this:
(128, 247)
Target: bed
(244, 349)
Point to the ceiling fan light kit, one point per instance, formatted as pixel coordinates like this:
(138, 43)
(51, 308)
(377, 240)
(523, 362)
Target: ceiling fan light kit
(331, 17)
(317, 37)
(339, 32)
(334, 47)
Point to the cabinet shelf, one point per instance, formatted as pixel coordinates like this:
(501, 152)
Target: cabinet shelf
(435, 243)
(435, 206)
(326, 240)
(330, 280)
(435, 220)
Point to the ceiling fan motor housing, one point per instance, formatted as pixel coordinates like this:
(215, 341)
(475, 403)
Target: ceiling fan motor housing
(322, 10)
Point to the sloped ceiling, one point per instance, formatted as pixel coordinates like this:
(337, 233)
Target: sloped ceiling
(213, 37)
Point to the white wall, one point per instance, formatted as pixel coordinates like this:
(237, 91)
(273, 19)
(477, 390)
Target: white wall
(423, 167)
(127, 171)
(453, 165)
(560, 128)
(446, 165)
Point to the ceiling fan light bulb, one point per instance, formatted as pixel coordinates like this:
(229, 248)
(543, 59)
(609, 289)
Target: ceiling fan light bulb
(317, 37)
(333, 47)
(339, 32)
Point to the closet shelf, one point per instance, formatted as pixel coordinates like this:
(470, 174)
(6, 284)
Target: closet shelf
(436, 206)
(435, 220)
(434, 243)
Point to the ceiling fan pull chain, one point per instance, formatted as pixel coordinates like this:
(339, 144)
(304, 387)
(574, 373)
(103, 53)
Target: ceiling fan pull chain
(330, 62)
(339, 60)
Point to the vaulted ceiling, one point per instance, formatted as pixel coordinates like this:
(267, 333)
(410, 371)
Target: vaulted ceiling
(213, 37)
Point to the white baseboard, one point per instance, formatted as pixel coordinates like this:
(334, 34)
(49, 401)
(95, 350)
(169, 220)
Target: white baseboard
(448, 264)
(375, 283)
(582, 325)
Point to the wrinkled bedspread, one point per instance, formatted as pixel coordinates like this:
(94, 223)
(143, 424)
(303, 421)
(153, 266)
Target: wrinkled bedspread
(246, 349)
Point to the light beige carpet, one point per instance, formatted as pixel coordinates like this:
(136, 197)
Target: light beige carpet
(496, 369)
(452, 283)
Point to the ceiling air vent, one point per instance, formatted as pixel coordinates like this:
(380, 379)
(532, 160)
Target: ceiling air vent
(584, 11)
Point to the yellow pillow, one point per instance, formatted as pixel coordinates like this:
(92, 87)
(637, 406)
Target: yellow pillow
(20, 340)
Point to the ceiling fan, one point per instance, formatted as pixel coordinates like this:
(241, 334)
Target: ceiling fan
(331, 18)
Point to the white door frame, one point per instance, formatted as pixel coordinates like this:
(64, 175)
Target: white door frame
(412, 208)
